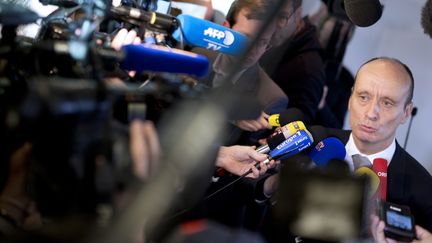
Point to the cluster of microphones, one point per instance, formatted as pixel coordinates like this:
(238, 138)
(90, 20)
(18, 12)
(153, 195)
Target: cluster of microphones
(293, 137)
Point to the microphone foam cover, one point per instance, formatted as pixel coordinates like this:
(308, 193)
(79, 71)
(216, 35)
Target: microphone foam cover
(290, 115)
(148, 57)
(374, 181)
(363, 13)
(326, 150)
(426, 18)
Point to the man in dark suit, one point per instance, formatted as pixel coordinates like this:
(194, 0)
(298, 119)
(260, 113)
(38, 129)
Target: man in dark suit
(381, 100)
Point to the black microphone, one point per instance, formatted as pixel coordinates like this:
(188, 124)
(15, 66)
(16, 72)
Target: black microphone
(363, 13)
(285, 117)
(413, 113)
(60, 3)
(163, 21)
(426, 18)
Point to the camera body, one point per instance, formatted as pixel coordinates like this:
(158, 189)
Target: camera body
(399, 223)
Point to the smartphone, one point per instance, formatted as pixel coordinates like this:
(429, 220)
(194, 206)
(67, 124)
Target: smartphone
(399, 222)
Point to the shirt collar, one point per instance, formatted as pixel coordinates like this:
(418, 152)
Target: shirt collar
(352, 149)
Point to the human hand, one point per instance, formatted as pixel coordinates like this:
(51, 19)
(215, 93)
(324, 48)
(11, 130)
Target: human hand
(254, 125)
(423, 235)
(240, 159)
(144, 148)
(377, 230)
(125, 37)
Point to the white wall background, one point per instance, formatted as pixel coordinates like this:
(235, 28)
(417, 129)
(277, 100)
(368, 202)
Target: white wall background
(397, 34)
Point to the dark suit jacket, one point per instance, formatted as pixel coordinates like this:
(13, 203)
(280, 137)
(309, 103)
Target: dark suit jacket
(408, 182)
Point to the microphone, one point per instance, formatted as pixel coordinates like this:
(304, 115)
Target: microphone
(60, 3)
(380, 168)
(136, 16)
(326, 150)
(148, 57)
(285, 117)
(206, 34)
(373, 179)
(363, 13)
(282, 134)
(413, 113)
(426, 18)
(293, 145)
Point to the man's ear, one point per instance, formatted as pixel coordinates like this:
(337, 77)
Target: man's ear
(407, 112)
(226, 24)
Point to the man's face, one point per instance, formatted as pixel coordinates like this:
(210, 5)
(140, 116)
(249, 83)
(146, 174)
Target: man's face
(286, 24)
(250, 28)
(377, 104)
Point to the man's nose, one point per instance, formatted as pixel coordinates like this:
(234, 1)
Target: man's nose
(372, 111)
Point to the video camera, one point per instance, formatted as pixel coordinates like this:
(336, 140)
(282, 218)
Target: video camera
(55, 89)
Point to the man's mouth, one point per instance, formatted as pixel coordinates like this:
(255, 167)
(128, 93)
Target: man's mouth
(368, 129)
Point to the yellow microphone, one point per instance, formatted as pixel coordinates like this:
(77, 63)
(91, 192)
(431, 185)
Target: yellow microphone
(281, 135)
(374, 180)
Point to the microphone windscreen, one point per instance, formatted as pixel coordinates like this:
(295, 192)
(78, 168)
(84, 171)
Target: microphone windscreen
(285, 117)
(148, 57)
(426, 18)
(293, 145)
(319, 133)
(363, 13)
(380, 168)
(326, 150)
(274, 141)
(284, 132)
(202, 33)
(373, 179)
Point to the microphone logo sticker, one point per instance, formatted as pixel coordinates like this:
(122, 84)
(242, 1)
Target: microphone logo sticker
(229, 38)
(214, 33)
(319, 146)
(219, 38)
(382, 174)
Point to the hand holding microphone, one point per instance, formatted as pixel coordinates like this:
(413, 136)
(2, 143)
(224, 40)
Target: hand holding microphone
(240, 159)
(281, 135)
(125, 37)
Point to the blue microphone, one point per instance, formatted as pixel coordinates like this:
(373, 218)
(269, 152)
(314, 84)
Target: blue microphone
(326, 150)
(148, 57)
(206, 34)
(296, 143)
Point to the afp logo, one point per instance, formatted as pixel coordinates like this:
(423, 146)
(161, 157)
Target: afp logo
(226, 36)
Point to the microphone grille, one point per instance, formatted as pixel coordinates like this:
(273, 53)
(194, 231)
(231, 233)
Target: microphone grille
(363, 13)
(426, 18)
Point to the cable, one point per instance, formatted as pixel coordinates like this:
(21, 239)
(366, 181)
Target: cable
(181, 33)
(217, 191)
(413, 113)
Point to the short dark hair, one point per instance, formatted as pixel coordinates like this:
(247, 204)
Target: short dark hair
(258, 9)
(404, 66)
